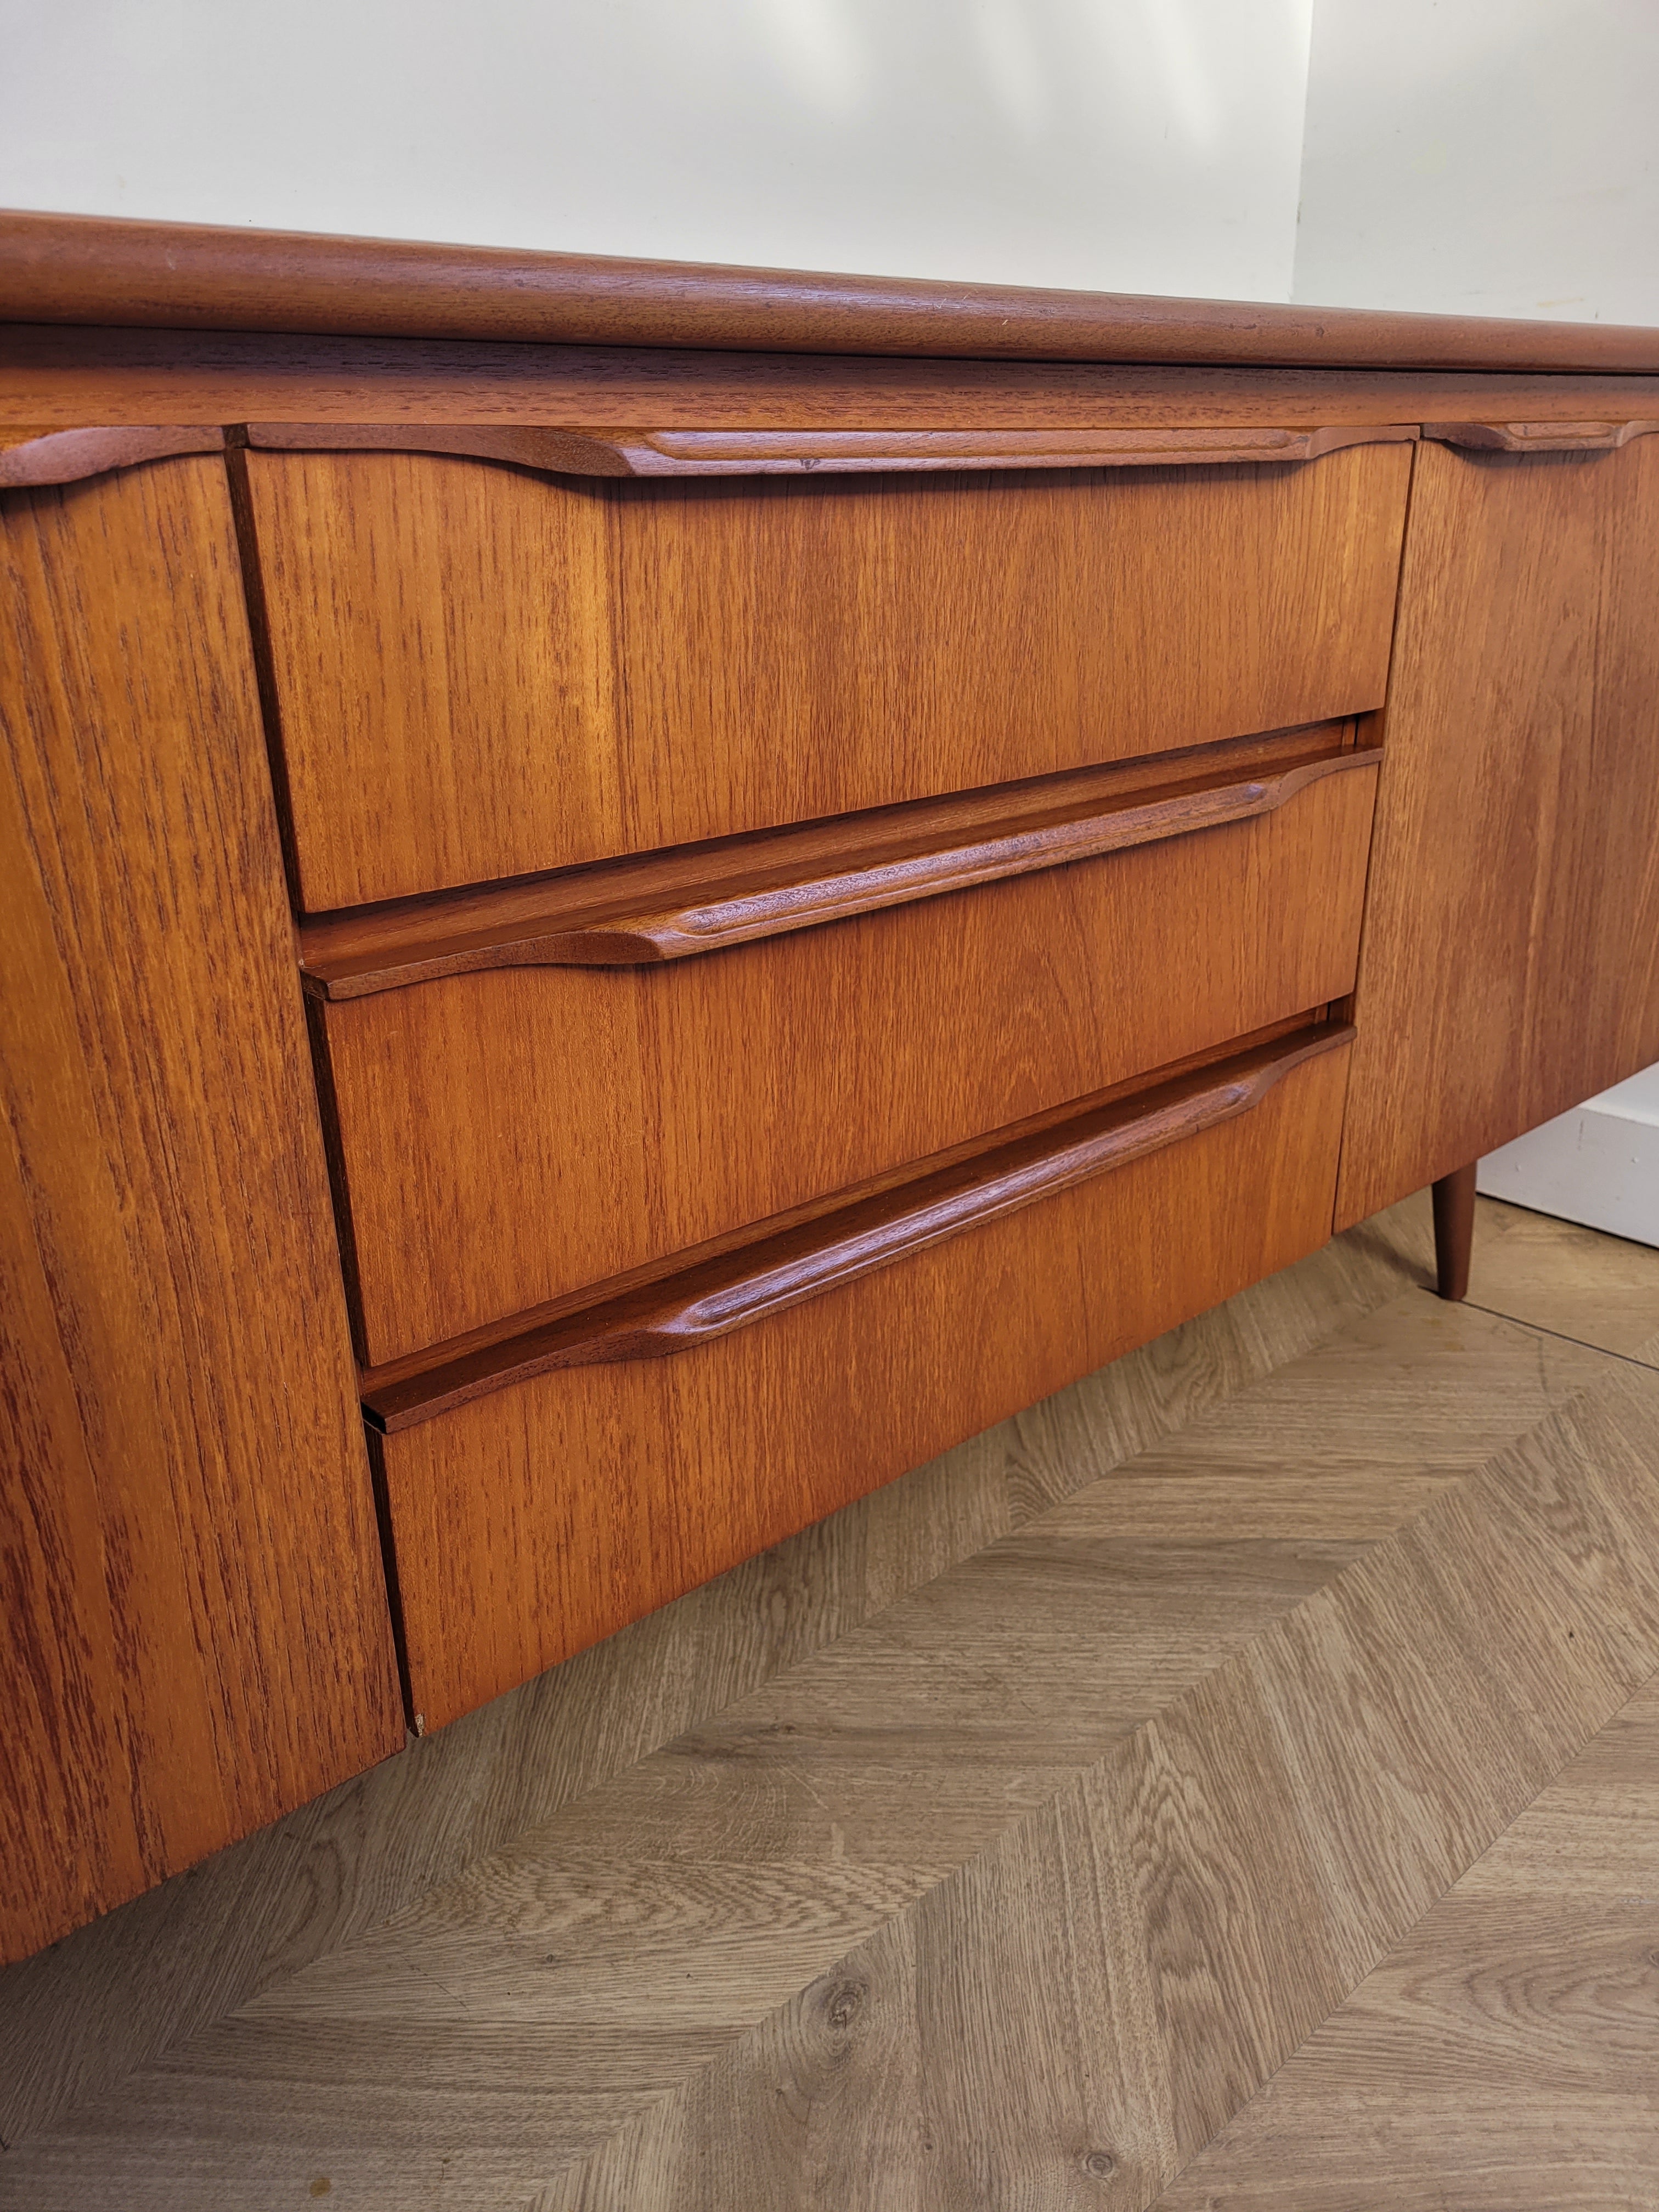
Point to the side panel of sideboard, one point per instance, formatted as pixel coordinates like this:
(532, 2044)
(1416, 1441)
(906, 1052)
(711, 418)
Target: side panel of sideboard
(1511, 959)
(195, 1634)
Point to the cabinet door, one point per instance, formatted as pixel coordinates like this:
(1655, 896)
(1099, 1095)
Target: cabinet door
(194, 1635)
(1511, 961)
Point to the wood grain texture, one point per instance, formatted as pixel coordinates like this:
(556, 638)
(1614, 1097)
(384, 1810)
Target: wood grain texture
(186, 1499)
(577, 450)
(664, 664)
(1510, 962)
(118, 1996)
(1505, 2050)
(52, 457)
(669, 1470)
(1540, 437)
(783, 1267)
(696, 1098)
(84, 269)
(616, 1943)
(1073, 2013)
(68, 376)
(667, 906)
(1555, 1275)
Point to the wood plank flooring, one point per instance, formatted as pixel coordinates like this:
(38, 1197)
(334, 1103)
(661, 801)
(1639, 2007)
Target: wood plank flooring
(1506, 2052)
(1053, 1829)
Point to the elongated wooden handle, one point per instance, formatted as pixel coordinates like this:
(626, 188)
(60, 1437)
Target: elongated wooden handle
(28, 458)
(574, 450)
(627, 912)
(1538, 437)
(737, 1287)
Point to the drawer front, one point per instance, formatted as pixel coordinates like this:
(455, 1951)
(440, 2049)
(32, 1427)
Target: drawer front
(533, 1519)
(483, 671)
(511, 1136)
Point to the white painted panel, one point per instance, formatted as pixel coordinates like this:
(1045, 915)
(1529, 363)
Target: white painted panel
(1598, 1164)
(1140, 145)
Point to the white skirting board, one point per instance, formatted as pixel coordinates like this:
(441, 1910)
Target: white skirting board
(1598, 1164)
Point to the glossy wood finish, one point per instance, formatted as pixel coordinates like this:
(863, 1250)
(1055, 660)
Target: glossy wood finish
(67, 376)
(186, 1503)
(669, 906)
(85, 269)
(578, 451)
(476, 674)
(53, 456)
(664, 664)
(1540, 437)
(614, 1488)
(1453, 1231)
(772, 1271)
(561, 1126)
(1511, 964)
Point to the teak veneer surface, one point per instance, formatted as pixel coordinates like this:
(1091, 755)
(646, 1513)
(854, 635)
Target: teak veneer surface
(560, 1126)
(613, 1488)
(195, 1635)
(735, 1282)
(1510, 962)
(476, 672)
(57, 378)
(91, 269)
(708, 898)
(485, 673)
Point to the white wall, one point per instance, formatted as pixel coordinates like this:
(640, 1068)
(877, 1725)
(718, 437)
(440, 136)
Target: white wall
(1140, 145)
(1483, 157)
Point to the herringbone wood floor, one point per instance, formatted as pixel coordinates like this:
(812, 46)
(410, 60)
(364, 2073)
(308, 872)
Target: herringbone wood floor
(1235, 1782)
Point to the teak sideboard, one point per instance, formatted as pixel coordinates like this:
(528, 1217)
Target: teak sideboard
(636, 898)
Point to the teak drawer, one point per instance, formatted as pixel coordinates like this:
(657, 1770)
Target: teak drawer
(538, 1516)
(483, 671)
(510, 1136)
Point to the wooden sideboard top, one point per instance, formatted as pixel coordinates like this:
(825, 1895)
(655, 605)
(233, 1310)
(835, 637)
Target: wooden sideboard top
(96, 270)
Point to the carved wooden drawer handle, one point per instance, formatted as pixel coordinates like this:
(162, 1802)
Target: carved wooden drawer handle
(31, 458)
(577, 450)
(737, 1287)
(702, 899)
(1538, 437)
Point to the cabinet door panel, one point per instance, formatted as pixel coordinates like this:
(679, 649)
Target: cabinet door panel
(195, 1635)
(1510, 960)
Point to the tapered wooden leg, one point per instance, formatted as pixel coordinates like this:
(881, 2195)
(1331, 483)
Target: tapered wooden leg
(1454, 1231)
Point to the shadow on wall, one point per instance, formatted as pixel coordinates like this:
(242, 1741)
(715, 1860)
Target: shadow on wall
(1140, 145)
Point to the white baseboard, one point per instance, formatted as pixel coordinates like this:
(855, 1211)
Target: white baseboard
(1598, 1164)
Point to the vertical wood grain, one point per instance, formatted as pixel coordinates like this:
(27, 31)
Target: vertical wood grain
(1510, 960)
(195, 1630)
(485, 671)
